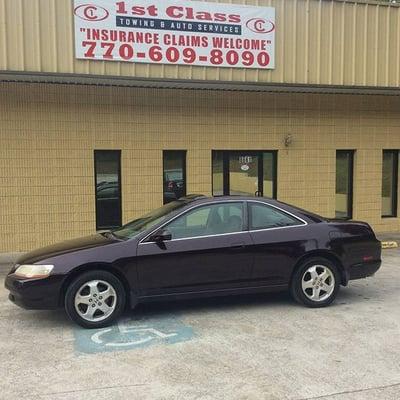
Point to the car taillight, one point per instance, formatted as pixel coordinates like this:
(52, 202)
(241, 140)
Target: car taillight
(368, 258)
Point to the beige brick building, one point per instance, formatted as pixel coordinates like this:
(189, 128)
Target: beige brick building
(87, 145)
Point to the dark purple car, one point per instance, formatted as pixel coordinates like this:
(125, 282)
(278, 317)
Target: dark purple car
(197, 246)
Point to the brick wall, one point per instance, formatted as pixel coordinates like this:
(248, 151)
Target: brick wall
(48, 134)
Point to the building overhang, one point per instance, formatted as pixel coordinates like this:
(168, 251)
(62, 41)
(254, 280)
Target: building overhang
(154, 83)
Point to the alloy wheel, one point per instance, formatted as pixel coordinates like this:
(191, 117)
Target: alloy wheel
(95, 300)
(318, 283)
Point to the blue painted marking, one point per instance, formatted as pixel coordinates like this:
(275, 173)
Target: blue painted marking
(133, 333)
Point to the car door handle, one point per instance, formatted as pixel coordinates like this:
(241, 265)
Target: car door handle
(238, 246)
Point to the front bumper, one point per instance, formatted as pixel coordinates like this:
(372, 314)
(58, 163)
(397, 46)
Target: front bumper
(34, 294)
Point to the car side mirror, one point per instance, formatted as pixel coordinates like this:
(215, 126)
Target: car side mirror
(160, 236)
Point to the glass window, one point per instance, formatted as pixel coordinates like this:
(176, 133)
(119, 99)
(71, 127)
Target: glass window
(108, 188)
(218, 173)
(269, 174)
(389, 183)
(208, 220)
(265, 217)
(174, 164)
(344, 184)
(244, 178)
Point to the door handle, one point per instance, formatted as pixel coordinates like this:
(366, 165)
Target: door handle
(238, 246)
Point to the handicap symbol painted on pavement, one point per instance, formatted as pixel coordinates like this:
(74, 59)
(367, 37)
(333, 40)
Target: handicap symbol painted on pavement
(133, 333)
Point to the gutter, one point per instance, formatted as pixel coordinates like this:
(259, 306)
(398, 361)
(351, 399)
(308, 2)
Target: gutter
(157, 83)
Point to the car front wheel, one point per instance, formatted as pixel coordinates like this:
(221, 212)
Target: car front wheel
(315, 283)
(95, 299)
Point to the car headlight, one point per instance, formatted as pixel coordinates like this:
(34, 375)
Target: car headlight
(34, 271)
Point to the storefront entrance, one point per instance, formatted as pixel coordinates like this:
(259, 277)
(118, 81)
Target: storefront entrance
(244, 173)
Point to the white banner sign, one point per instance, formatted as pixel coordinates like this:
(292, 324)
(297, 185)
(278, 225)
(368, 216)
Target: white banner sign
(175, 32)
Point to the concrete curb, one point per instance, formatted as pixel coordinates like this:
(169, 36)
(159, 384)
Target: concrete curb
(389, 245)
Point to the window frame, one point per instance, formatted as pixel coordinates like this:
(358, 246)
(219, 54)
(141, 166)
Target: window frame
(246, 224)
(119, 171)
(146, 240)
(395, 183)
(301, 220)
(182, 153)
(350, 185)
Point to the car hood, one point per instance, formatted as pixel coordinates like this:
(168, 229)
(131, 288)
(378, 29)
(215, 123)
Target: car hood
(68, 246)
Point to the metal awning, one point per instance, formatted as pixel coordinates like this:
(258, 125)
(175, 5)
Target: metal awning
(101, 80)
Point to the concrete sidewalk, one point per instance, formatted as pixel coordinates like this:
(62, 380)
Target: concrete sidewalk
(389, 236)
(7, 259)
(389, 240)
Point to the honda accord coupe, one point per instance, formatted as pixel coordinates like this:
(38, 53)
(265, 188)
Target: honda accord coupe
(197, 246)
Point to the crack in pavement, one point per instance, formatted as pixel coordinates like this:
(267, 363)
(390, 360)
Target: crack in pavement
(145, 384)
(350, 392)
(92, 389)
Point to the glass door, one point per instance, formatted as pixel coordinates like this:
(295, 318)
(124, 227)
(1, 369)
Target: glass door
(244, 173)
(344, 183)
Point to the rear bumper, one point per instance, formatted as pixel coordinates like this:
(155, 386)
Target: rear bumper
(363, 270)
(40, 294)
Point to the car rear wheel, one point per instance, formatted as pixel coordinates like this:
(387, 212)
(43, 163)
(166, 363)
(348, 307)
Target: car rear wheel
(315, 283)
(95, 299)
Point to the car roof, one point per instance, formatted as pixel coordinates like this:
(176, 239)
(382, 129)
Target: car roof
(203, 199)
(200, 199)
(207, 199)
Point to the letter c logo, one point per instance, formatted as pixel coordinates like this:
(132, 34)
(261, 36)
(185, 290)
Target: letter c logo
(260, 25)
(91, 12)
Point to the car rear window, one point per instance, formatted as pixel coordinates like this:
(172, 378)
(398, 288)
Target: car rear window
(263, 216)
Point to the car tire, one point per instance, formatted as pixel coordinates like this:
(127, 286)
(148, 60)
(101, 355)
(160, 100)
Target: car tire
(315, 283)
(95, 299)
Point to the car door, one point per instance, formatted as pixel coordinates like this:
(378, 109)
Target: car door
(280, 238)
(209, 250)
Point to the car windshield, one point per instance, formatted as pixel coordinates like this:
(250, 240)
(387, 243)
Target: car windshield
(149, 220)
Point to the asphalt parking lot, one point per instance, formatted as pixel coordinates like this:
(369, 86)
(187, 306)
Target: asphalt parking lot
(251, 347)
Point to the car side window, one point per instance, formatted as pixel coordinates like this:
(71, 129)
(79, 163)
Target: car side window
(207, 220)
(264, 217)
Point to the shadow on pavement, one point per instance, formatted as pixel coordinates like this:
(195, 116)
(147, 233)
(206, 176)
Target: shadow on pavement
(351, 295)
(215, 304)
